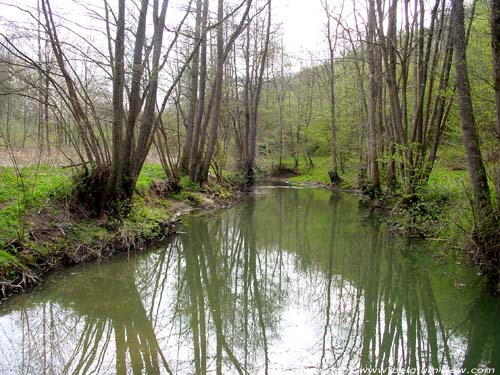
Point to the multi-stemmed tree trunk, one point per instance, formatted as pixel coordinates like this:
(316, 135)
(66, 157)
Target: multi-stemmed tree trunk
(113, 169)
(193, 99)
(199, 115)
(129, 158)
(205, 104)
(415, 46)
(217, 94)
(253, 86)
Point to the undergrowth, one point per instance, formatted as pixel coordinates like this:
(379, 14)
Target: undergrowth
(41, 228)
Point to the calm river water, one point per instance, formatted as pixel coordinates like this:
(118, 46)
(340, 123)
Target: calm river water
(290, 281)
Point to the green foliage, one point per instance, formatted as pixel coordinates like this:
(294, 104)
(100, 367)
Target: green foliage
(143, 223)
(26, 191)
(10, 223)
(7, 259)
(439, 210)
(318, 174)
(33, 185)
(419, 215)
(236, 180)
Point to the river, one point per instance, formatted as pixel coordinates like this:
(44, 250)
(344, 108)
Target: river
(289, 281)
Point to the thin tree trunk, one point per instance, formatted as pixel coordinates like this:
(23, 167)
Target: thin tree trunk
(200, 105)
(135, 90)
(217, 94)
(254, 105)
(148, 121)
(333, 173)
(193, 101)
(118, 111)
(372, 99)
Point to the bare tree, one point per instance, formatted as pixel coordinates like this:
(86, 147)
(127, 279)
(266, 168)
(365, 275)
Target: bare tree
(253, 82)
(112, 166)
(332, 38)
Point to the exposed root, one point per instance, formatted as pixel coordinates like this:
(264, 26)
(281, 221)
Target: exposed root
(335, 179)
(165, 188)
(485, 251)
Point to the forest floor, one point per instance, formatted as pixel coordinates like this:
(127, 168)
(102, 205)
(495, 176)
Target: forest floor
(41, 229)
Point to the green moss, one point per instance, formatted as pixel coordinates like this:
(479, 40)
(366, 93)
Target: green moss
(189, 185)
(220, 191)
(188, 197)
(7, 259)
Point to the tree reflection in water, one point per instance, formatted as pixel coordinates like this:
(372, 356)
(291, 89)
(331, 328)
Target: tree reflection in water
(290, 281)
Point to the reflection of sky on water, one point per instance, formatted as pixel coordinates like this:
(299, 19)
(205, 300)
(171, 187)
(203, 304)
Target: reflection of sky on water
(244, 286)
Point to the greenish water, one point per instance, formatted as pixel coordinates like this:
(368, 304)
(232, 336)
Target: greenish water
(291, 281)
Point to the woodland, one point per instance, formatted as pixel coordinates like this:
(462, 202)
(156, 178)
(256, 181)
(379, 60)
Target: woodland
(99, 100)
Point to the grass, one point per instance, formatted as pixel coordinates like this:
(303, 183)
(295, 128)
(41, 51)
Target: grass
(149, 174)
(34, 182)
(319, 173)
(27, 191)
(38, 230)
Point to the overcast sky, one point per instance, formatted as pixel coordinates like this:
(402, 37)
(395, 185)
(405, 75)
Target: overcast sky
(302, 20)
(303, 25)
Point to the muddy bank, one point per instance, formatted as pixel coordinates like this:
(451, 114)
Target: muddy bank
(59, 235)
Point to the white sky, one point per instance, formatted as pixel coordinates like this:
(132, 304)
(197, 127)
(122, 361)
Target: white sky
(303, 25)
(303, 20)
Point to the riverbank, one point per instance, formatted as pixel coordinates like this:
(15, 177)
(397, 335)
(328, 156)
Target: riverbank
(41, 229)
(439, 211)
(277, 272)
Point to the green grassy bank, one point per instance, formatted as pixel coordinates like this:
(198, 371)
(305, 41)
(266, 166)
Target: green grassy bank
(41, 228)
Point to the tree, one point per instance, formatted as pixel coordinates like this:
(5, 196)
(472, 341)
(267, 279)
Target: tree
(486, 226)
(372, 97)
(332, 45)
(253, 82)
(111, 168)
(495, 44)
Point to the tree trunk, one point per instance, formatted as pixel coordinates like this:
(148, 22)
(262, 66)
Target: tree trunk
(118, 111)
(332, 41)
(200, 105)
(485, 225)
(372, 99)
(495, 43)
(135, 90)
(217, 94)
(253, 105)
(193, 91)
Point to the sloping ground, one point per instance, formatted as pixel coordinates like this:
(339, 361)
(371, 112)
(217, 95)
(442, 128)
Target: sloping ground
(40, 229)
